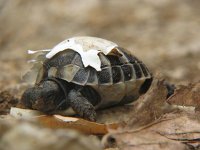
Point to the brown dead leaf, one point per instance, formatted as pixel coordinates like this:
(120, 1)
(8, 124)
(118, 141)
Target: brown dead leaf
(172, 131)
(150, 106)
(187, 95)
(88, 127)
(61, 122)
(152, 125)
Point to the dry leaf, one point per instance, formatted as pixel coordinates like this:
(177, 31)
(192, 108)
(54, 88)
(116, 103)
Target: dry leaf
(152, 125)
(58, 121)
(152, 105)
(172, 131)
(187, 95)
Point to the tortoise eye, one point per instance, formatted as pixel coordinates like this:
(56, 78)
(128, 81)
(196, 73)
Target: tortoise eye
(47, 94)
(50, 96)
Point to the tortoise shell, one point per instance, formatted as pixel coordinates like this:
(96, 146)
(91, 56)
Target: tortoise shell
(121, 78)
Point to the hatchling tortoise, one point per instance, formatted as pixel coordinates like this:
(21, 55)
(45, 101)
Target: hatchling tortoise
(85, 73)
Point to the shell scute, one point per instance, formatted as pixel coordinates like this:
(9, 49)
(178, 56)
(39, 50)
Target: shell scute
(138, 71)
(81, 76)
(61, 59)
(105, 76)
(92, 79)
(67, 72)
(144, 70)
(117, 74)
(128, 72)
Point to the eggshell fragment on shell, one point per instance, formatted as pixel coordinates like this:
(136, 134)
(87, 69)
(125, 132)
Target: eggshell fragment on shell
(37, 51)
(87, 47)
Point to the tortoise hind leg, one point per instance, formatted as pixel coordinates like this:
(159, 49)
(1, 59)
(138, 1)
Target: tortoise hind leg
(81, 105)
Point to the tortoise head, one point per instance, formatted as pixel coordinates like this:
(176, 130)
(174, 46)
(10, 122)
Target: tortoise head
(45, 97)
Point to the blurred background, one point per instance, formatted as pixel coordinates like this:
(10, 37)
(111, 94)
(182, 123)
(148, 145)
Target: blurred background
(164, 34)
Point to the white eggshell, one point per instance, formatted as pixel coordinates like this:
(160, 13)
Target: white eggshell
(20, 113)
(37, 51)
(87, 47)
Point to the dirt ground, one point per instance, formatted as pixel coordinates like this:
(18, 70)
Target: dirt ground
(164, 34)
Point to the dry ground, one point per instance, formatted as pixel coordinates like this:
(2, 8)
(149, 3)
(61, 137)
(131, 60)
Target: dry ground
(164, 34)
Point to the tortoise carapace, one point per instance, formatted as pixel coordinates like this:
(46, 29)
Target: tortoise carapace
(86, 73)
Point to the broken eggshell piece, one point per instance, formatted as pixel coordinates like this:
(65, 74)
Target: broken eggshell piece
(87, 47)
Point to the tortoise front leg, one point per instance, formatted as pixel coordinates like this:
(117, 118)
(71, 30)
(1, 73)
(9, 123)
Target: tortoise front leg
(81, 105)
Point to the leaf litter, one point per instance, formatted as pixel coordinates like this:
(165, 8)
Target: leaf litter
(187, 95)
(151, 122)
(156, 124)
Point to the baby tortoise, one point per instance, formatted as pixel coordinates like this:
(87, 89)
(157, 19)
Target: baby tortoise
(86, 73)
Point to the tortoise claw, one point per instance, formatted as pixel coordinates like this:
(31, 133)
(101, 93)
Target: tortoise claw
(81, 105)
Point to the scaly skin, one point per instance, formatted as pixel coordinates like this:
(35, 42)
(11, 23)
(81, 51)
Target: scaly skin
(48, 95)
